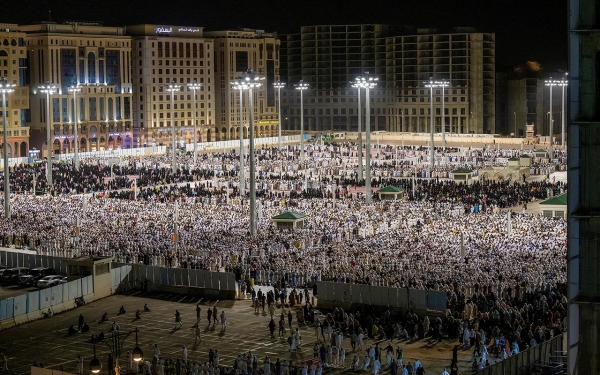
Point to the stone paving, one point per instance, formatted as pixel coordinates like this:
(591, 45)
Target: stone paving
(47, 341)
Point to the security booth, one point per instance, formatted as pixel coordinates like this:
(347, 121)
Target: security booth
(555, 206)
(462, 175)
(540, 153)
(289, 220)
(96, 266)
(525, 161)
(390, 193)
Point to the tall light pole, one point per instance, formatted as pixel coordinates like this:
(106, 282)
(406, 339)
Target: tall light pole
(48, 90)
(301, 86)
(367, 82)
(75, 88)
(563, 83)
(431, 85)
(550, 83)
(443, 85)
(279, 85)
(239, 85)
(515, 113)
(6, 88)
(195, 86)
(357, 85)
(173, 88)
(250, 82)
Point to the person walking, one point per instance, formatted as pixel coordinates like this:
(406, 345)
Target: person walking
(184, 354)
(178, 323)
(198, 311)
(79, 364)
(197, 338)
(271, 327)
(223, 320)
(214, 315)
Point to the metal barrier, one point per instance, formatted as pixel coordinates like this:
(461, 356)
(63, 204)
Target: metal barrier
(541, 357)
(134, 275)
(418, 299)
(236, 143)
(12, 259)
(141, 151)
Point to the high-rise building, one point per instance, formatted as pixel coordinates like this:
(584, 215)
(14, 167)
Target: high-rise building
(237, 51)
(13, 67)
(166, 55)
(521, 99)
(329, 57)
(96, 57)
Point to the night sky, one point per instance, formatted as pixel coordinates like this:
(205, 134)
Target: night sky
(525, 30)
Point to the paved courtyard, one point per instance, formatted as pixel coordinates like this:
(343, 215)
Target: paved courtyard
(47, 341)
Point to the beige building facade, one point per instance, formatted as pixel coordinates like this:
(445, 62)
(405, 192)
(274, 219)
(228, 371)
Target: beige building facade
(237, 51)
(166, 55)
(98, 59)
(13, 67)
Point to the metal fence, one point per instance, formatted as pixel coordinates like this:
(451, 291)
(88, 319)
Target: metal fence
(141, 151)
(236, 143)
(133, 275)
(418, 299)
(545, 358)
(12, 259)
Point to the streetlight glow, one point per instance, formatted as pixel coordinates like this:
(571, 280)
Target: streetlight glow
(562, 83)
(279, 85)
(443, 85)
(195, 86)
(6, 88)
(48, 90)
(550, 83)
(75, 88)
(367, 82)
(173, 88)
(301, 86)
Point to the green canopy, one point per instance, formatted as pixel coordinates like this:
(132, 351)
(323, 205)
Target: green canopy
(289, 215)
(462, 170)
(390, 189)
(559, 200)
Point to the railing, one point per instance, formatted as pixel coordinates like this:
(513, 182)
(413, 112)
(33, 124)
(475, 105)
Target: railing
(545, 358)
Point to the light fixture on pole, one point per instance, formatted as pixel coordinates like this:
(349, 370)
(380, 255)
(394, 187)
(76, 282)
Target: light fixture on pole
(279, 85)
(550, 83)
(443, 85)
(357, 85)
(515, 113)
(367, 82)
(115, 344)
(301, 86)
(563, 83)
(250, 82)
(195, 86)
(6, 88)
(239, 85)
(173, 89)
(48, 90)
(75, 88)
(431, 85)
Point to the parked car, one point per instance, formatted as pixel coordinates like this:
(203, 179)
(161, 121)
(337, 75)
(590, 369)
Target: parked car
(35, 274)
(63, 280)
(48, 281)
(11, 275)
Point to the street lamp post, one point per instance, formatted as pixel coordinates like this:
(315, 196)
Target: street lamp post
(301, 86)
(115, 345)
(515, 113)
(48, 90)
(443, 85)
(239, 85)
(563, 83)
(431, 85)
(357, 85)
(75, 88)
(550, 83)
(173, 88)
(279, 85)
(6, 88)
(250, 82)
(367, 82)
(195, 86)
